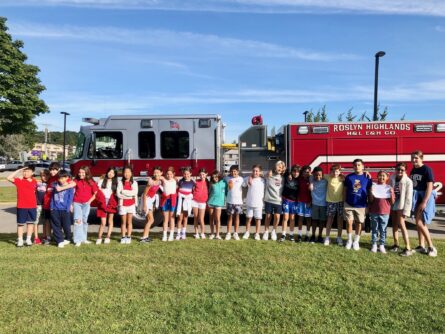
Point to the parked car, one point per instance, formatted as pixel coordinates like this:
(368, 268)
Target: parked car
(13, 165)
(38, 167)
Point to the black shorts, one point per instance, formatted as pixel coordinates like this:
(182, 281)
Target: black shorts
(26, 216)
(271, 208)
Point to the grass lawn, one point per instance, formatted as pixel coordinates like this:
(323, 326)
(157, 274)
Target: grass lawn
(8, 194)
(218, 287)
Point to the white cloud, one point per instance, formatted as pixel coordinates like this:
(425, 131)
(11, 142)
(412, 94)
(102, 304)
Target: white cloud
(168, 39)
(397, 7)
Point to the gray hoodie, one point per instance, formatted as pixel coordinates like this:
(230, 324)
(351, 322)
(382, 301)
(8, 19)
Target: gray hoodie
(274, 188)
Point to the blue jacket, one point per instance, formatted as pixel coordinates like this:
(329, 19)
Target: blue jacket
(430, 209)
(61, 200)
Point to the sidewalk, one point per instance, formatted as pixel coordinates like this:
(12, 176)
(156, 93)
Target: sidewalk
(8, 224)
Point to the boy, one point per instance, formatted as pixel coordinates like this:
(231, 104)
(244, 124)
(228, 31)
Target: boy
(318, 192)
(356, 189)
(234, 200)
(61, 204)
(272, 199)
(26, 203)
(304, 200)
(254, 201)
(334, 199)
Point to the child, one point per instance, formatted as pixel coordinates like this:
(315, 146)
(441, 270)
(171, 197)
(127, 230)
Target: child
(168, 203)
(61, 204)
(356, 189)
(127, 192)
(318, 193)
(106, 211)
(150, 201)
(234, 200)
(289, 201)
(218, 190)
(304, 200)
(184, 204)
(423, 209)
(199, 203)
(42, 212)
(272, 199)
(85, 193)
(381, 198)
(403, 191)
(254, 201)
(26, 203)
(53, 168)
(334, 201)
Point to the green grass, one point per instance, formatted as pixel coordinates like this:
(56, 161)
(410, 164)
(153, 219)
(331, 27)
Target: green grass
(8, 194)
(218, 287)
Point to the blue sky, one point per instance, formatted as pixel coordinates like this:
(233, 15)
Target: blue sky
(237, 58)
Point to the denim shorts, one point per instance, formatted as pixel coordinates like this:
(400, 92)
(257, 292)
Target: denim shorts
(290, 207)
(304, 209)
(234, 209)
(335, 208)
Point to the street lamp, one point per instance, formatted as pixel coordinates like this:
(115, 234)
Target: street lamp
(305, 115)
(64, 137)
(376, 83)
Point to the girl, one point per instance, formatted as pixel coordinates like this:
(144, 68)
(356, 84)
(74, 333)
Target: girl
(199, 203)
(403, 190)
(381, 198)
(318, 189)
(42, 208)
(127, 191)
(234, 200)
(168, 203)
(304, 201)
(85, 193)
(184, 205)
(423, 202)
(106, 211)
(254, 201)
(289, 201)
(151, 200)
(272, 199)
(218, 190)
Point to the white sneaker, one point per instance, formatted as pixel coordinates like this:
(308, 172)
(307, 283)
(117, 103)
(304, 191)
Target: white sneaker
(218, 237)
(128, 241)
(178, 237)
(183, 236)
(196, 236)
(203, 236)
(257, 237)
(28, 242)
(164, 237)
(246, 235)
(356, 246)
(61, 245)
(228, 236)
(265, 236)
(235, 236)
(123, 240)
(374, 248)
(107, 241)
(66, 242)
(171, 237)
(273, 235)
(87, 242)
(382, 249)
(20, 243)
(78, 244)
(432, 252)
(327, 241)
(98, 241)
(349, 245)
(340, 241)
(212, 236)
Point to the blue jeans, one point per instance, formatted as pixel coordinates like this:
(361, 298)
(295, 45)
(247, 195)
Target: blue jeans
(81, 212)
(378, 226)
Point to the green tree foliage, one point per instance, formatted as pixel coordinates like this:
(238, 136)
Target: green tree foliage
(19, 87)
(55, 138)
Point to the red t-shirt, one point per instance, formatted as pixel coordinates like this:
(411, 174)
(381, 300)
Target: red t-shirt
(200, 192)
(380, 206)
(26, 193)
(84, 190)
(304, 194)
(128, 202)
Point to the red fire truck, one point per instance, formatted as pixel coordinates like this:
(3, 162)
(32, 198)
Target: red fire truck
(380, 144)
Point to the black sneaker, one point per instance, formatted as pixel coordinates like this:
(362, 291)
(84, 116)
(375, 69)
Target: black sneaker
(320, 239)
(307, 239)
(394, 248)
(299, 238)
(283, 238)
(407, 252)
(421, 250)
(312, 240)
(145, 240)
(291, 238)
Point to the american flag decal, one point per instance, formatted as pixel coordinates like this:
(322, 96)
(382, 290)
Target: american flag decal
(174, 125)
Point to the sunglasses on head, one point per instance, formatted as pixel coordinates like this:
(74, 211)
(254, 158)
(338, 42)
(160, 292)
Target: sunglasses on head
(400, 169)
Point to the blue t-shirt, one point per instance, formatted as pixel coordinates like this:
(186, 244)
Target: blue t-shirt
(421, 176)
(357, 187)
(319, 191)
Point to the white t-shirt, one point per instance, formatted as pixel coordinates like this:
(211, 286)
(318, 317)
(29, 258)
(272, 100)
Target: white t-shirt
(169, 187)
(235, 195)
(107, 191)
(255, 192)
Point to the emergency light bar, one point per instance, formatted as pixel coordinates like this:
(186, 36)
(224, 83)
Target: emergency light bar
(440, 127)
(423, 128)
(146, 123)
(91, 120)
(320, 129)
(303, 130)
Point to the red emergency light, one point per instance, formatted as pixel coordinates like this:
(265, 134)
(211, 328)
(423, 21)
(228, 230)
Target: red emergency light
(257, 120)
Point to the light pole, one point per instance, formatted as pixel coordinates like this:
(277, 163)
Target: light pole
(376, 83)
(64, 137)
(305, 115)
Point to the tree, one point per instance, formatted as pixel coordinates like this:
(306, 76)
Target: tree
(19, 87)
(12, 145)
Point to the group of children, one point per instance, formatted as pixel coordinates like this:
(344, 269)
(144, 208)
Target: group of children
(293, 197)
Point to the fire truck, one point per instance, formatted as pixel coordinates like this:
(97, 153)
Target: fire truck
(380, 144)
